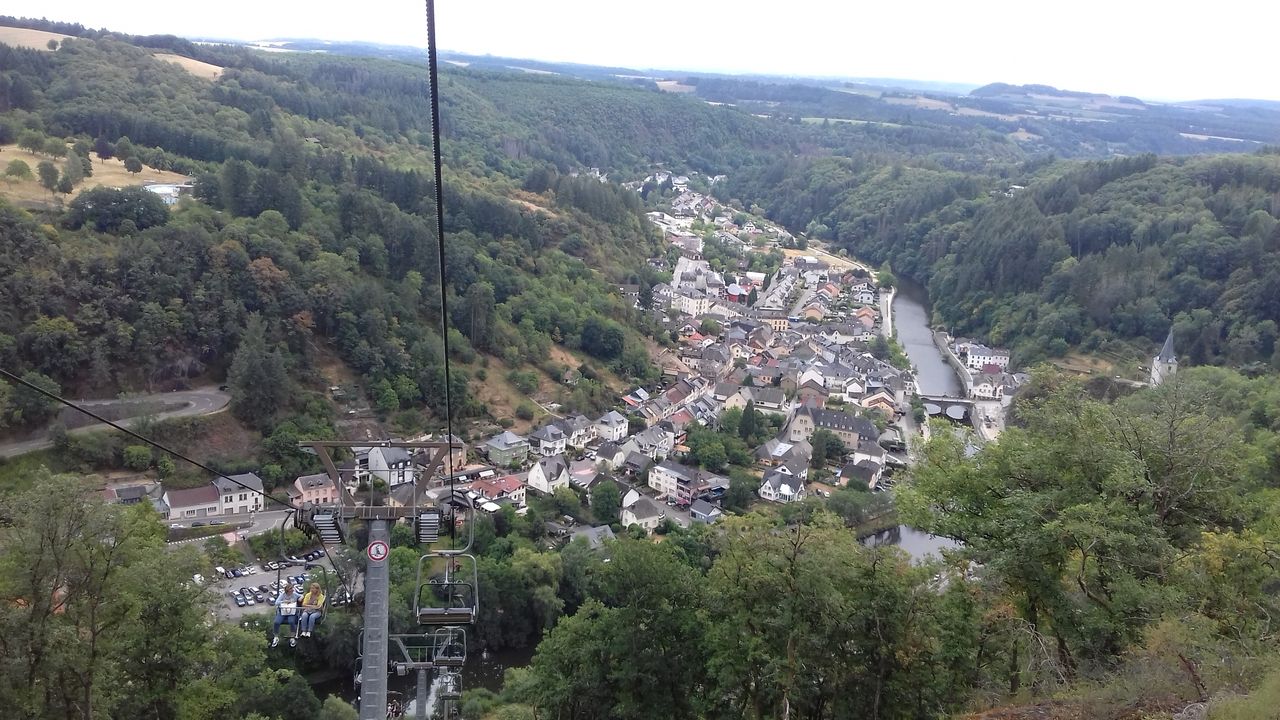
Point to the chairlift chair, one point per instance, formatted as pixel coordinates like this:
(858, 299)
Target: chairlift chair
(460, 597)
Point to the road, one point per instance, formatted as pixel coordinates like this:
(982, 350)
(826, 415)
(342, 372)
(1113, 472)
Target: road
(197, 401)
(805, 296)
(886, 312)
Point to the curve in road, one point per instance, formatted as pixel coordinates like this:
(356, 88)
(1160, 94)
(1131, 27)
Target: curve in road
(197, 401)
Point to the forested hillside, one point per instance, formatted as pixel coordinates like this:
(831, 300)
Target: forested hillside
(1087, 255)
(312, 212)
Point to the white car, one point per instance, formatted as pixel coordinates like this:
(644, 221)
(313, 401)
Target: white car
(198, 579)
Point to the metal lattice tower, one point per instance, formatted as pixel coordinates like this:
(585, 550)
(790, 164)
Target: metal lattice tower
(437, 649)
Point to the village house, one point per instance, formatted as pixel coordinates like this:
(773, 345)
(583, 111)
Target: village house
(988, 386)
(391, 465)
(781, 488)
(507, 449)
(850, 429)
(595, 537)
(495, 489)
(612, 426)
(549, 473)
(702, 511)
(578, 430)
(240, 497)
(645, 513)
(547, 440)
(317, 489)
(611, 454)
(976, 355)
(196, 502)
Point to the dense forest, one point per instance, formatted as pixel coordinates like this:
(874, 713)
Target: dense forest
(312, 227)
(1118, 556)
(1100, 255)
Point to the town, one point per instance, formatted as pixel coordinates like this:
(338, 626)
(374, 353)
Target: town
(802, 348)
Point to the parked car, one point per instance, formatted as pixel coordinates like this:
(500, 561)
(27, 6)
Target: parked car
(228, 574)
(197, 523)
(240, 602)
(217, 522)
(197, 579)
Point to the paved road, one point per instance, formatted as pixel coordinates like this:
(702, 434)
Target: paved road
(886, 312)
(197, 401)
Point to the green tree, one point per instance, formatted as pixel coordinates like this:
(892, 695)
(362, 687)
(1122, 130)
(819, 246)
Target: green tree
(480, 309)
(133, 165)
(827, 447)
(32, 141)
(48, 175)
(104, 149)
(73, 168)
(30, 408)
(125, 150)
(335, 709)
(710, 326)
(1084, 511)
(595, 665)
(258, 382)
(18, 170)
(605, 502)
(137, 457)
(750, 423)
(55, 147)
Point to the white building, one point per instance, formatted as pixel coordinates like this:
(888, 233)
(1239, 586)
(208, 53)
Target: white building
(238, 499)
(980, 356)
(612, 426)
(392, 465)
(1164, 365)
(549, 473)
(645, 513)
(781, 488)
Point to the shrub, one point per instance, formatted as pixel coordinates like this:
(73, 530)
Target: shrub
(137, 457)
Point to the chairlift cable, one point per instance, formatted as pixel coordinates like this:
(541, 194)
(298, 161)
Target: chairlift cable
(434, 91)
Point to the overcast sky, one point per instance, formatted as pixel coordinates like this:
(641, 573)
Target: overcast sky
(1171, 50)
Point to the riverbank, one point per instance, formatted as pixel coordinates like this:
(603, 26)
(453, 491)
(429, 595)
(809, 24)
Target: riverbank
(886, 312)
(942, 341)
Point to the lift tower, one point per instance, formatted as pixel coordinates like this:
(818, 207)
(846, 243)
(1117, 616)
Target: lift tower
(437, 649)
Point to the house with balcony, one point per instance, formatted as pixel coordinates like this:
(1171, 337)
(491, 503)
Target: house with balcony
(547, 440)
(507, 449)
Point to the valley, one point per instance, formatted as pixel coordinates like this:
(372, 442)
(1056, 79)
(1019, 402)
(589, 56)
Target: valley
(772, 396)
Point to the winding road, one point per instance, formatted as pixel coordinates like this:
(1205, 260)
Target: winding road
(197, 401)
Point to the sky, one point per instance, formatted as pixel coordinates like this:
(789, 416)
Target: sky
(1171, 50)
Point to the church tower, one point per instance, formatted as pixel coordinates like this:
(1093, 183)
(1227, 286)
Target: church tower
(1165, 365)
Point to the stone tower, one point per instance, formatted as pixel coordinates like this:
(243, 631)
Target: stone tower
(1165, 365)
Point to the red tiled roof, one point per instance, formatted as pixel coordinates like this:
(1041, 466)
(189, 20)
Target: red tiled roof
(203, 495)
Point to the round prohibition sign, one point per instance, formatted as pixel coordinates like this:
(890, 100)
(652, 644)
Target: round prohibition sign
(377, 551)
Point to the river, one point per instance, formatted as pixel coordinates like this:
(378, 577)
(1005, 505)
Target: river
(911, 325)
(921, 546)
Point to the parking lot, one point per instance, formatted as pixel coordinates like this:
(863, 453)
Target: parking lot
(254, 592)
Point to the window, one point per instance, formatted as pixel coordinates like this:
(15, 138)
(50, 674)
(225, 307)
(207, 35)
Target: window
(243, 497)
(228, 498)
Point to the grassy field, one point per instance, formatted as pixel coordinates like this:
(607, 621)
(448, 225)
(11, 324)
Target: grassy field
(109, 173)
(24, 38)
(16, 473)
(195, 67)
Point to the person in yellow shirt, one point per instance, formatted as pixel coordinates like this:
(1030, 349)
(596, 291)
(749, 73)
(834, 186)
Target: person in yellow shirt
(312, 605)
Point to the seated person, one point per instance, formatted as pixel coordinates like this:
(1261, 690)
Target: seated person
(286, 613)
(312, 609)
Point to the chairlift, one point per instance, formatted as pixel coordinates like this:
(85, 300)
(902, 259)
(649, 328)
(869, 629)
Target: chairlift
(460, 597)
